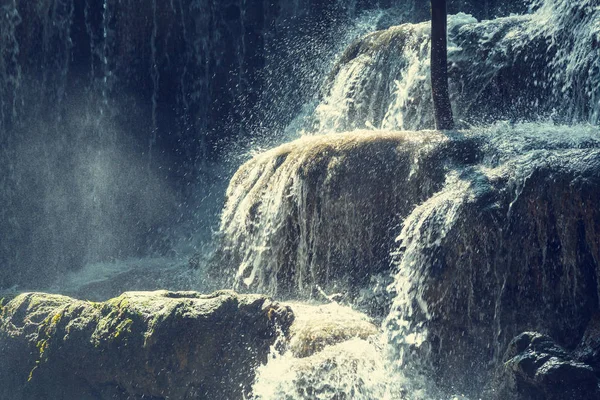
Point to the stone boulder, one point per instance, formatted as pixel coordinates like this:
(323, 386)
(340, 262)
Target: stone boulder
(325, 210)
(537, 368)
(157, 345)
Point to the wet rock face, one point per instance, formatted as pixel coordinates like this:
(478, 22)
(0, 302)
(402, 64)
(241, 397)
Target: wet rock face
(537, 368)
(155, 345)
(325, 210)
(588, 350)
(493, 232)
(530, 256)
(511, 245)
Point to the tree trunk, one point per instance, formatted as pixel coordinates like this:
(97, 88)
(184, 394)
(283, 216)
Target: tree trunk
(439, 66)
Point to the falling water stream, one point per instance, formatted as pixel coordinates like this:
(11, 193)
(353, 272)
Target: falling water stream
(108, 203)
(381, 84)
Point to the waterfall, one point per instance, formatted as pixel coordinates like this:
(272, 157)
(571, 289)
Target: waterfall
(179, 84)
(572, 53)
(10, 70)
(524, 67)
(504, 210)
(87, 86)
(463, 254)
(119, 124)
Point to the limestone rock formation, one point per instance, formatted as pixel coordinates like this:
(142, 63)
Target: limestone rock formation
(492, 232)
(509, 245)
(158, 345)
(325, 210)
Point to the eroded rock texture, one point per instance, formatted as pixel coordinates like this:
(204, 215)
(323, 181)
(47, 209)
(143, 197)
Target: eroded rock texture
(509, 245)
(325, 210)
(156, 345)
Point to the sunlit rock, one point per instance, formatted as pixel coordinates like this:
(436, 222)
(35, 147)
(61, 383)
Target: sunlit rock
(158, 345)
(324, 211)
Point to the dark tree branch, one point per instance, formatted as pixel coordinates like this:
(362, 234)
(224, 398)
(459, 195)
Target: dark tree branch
(439, 66)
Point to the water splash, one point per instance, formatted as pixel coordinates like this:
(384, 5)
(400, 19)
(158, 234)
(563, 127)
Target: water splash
(406, 361)
(514, 158)
(334, 353)
(522, 67)
(352, 370)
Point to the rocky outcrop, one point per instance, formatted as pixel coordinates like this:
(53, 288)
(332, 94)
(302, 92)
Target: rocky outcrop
(496, 232)
(536, 368)
(157, 345)
(324, 210)
(510, 245)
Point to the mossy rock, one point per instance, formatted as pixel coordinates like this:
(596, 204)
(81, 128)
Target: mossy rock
(154, 345)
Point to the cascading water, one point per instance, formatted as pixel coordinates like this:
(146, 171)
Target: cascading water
(434, 249)
(453, 310)
(453, 328)
(541, 65)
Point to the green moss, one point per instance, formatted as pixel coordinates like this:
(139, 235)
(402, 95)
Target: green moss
(120, 302)
(46, 332)
(123, 326)
(115, 322)
(30, 377)
(42, 345)
(56, 319)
